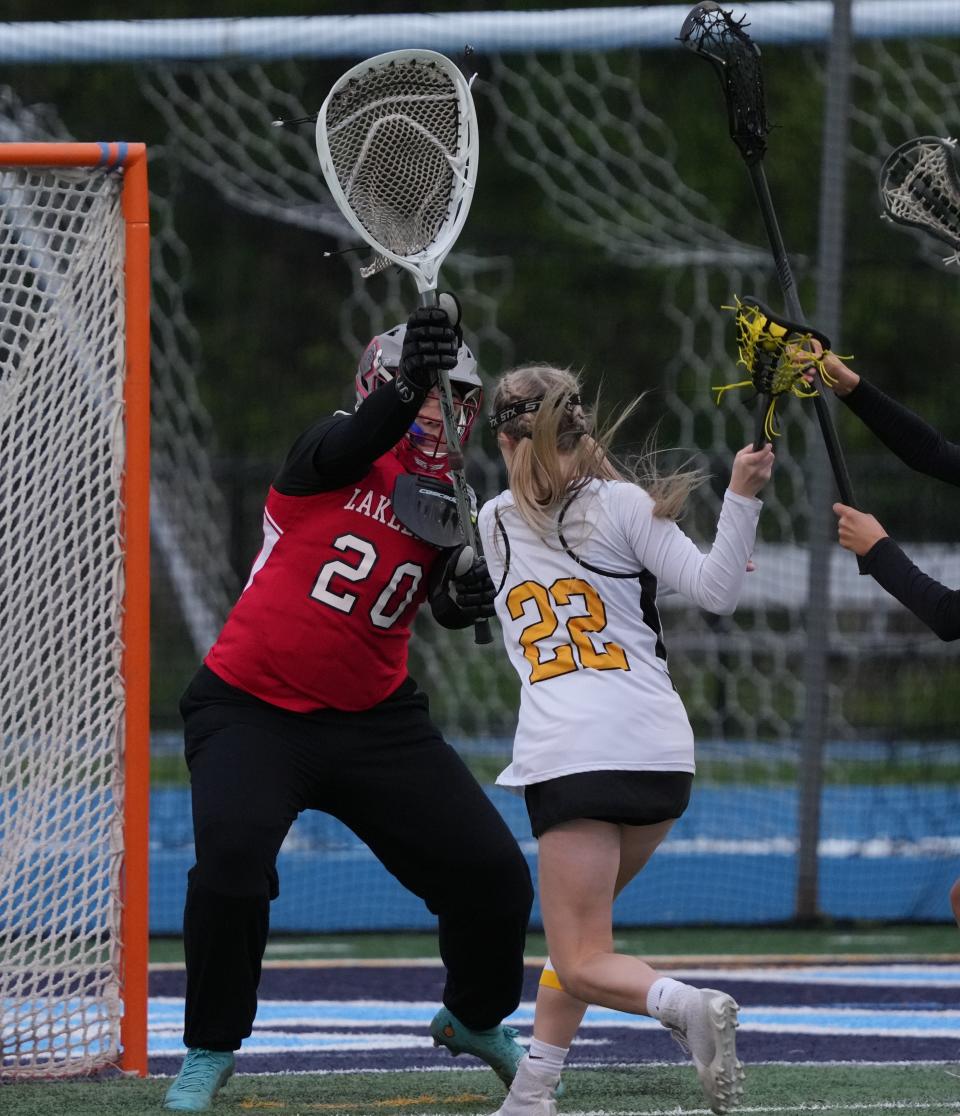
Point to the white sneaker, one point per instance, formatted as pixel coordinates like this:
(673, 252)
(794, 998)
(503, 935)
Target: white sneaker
(707, 1031)
(533, 1092)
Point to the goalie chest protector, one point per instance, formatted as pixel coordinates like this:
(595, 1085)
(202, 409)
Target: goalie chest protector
(324, 619)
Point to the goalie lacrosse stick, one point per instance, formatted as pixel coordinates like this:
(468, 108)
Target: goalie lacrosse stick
(715, 35)
(397, 142)
(920, 187)
(771, 349)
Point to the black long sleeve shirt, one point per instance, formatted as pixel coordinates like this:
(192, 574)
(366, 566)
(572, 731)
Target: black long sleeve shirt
(340, 449)
(924, 449)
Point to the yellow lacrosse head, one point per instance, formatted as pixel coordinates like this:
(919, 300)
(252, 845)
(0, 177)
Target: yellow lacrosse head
(776, 353)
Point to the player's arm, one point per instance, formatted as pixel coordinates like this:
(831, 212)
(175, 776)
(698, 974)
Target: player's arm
(713, 580)
(911, 438)
(459, 588)
(340, 450)
(936, 605)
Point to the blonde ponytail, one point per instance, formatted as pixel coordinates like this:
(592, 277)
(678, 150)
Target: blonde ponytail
(557, 450)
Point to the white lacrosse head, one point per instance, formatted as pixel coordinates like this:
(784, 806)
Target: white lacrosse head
(920, 187)
(397, 142)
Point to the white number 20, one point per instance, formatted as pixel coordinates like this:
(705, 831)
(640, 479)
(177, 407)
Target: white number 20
(398, 591)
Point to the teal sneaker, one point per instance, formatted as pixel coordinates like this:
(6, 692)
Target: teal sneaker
(498, 1047)
(202, 1074)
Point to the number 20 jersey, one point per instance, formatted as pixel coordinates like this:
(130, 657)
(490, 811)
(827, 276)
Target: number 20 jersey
(324, 620)
(585, 636)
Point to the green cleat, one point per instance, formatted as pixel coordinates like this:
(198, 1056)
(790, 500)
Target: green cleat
(202, 1074)
(497, 1047)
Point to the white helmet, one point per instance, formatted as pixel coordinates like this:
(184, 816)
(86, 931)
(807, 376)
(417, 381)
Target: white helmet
(378, 365)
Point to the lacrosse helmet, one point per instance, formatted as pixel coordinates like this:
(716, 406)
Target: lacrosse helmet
(419, 452)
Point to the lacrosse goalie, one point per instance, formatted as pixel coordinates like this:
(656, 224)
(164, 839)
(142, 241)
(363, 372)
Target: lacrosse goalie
(304, 702)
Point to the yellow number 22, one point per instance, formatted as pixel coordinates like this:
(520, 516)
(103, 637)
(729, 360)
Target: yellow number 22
(564, 660)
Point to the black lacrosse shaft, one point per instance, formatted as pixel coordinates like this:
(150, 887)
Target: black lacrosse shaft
(760, 421)
(481, 628)
(794, 310)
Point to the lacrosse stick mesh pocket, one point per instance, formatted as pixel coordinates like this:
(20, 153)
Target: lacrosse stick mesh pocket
(919, 186)
(394, 135)
(772, 350)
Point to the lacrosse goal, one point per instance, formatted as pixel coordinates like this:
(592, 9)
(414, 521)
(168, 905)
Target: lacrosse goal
(74, 618)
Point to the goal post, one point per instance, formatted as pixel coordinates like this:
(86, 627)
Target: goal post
(74, 609)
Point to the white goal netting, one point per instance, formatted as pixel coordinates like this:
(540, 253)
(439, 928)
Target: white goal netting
(61, 551)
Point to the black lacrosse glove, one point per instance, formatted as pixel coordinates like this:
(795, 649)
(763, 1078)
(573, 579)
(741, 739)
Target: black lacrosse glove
(431, 342)
(462, 593)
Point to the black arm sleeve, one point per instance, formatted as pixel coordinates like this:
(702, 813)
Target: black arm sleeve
(936, 605)
(912, 439)
(340, 449)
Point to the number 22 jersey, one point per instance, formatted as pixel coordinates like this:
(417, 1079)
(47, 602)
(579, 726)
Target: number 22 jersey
(581, 626)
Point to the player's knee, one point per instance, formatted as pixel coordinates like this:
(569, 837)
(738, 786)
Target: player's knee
(512, 887)
(569, 980)
(506, 874)
(571, 975)
(955, 900)
(521, 887)
(500, 888)
(235, 868)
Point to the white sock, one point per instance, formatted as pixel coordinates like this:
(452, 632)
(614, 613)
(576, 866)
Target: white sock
(663, 995)
(545, 1056)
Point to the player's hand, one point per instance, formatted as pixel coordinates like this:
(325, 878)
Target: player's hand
(801, 356)
(837, 376)
(751, 470)
(845, 378)
(431, 342)
(469, 584)
(856, 530)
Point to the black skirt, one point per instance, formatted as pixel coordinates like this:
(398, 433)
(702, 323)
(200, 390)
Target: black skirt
(620, 797)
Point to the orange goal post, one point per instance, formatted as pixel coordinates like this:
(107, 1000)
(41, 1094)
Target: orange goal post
(74, 607)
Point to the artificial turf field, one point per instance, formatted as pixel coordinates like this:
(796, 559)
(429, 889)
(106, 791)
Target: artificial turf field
(653, 1090)
(848, 1021)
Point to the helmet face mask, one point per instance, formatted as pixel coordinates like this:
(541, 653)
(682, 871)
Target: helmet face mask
(422, 451)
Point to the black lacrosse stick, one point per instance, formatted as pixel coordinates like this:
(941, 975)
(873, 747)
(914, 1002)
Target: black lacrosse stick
(920, 187)
(715, 35)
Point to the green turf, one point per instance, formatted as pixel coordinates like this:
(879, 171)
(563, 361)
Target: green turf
(847, 1090)
(908, 939)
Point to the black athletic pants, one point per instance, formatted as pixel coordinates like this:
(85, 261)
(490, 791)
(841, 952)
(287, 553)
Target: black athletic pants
(387, 774)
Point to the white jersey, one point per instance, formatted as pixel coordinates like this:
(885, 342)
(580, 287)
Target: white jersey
(582, 629)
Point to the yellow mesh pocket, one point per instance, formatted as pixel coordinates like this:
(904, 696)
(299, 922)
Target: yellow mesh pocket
(776, 354)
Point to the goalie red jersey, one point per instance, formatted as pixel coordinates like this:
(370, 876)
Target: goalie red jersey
(336, 584)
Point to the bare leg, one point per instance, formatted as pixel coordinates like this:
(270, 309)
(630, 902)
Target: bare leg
(558, 1014)
(955, 900)
(583, 865)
